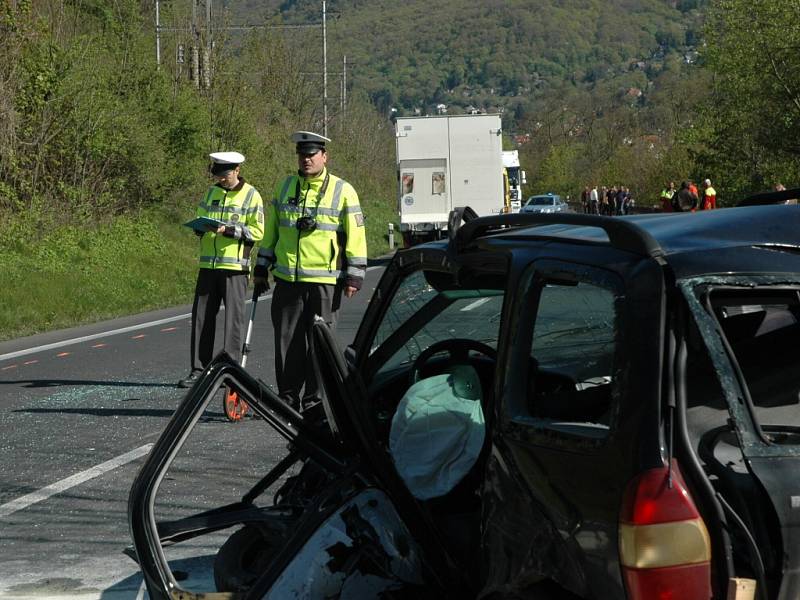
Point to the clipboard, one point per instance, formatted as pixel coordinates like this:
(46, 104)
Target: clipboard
(204, 224)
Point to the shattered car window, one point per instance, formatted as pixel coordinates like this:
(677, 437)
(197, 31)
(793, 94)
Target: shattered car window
(471, 314)
(575, 330)
(763, 331)
(572, 355)
(414, 293)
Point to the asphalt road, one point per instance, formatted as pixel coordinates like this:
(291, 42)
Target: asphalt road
(78, 411)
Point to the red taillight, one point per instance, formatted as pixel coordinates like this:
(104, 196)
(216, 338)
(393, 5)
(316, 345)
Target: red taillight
(664, 548)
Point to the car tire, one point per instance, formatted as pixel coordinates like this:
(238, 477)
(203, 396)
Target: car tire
(242, 559)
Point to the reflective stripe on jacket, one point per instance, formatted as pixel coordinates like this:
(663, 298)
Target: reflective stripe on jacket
(335, 249)
(243, 212)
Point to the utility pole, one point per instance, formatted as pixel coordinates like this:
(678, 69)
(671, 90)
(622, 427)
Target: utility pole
(201, 47)
(158, 39)
(324, 71)
(344, 85)
(194, 68)
(207, 54)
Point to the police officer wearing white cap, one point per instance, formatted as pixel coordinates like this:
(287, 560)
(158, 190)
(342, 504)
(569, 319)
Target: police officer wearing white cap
(316, 247)
(224, 260)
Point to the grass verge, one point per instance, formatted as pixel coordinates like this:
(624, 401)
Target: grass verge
(134, 263)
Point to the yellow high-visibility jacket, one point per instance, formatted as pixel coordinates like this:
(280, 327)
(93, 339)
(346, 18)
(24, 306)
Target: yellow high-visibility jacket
(333, 249)
(242, 209)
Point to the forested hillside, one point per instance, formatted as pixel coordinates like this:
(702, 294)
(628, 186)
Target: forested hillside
(591, 91)
(104, 153)
(500, 53)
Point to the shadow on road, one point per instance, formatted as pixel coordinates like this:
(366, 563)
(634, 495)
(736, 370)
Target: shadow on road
(207, 417)
(101, 412)
(194, 574)
(41, 383)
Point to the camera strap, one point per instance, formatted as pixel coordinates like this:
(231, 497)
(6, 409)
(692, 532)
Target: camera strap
(320, 195)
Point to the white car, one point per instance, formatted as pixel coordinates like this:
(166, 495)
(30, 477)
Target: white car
(545, 203)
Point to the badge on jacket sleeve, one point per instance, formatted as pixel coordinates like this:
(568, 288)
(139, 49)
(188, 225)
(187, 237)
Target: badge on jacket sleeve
(360, 219)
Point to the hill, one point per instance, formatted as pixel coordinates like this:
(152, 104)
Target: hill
(497, 54)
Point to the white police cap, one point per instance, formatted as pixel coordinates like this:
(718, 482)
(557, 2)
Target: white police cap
(309, 142)
(222, 162)
(227, 158)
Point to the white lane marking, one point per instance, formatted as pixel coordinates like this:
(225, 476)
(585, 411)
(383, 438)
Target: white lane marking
(95, 336)
(141, 592)
(475, 304)
(46, 492)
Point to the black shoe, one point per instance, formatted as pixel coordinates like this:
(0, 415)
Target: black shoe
(189, 380)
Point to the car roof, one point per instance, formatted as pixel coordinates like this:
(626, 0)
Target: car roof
(758, 239)
(678, 233)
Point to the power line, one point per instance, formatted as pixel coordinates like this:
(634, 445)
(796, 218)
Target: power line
(195, 69)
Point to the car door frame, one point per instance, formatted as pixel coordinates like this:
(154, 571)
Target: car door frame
(553, 518)
(147, 533)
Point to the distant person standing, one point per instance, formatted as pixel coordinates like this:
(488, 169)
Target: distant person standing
(620, 201)
(316, 247)
(695, 193)
(684, 200)
(585, 199)
(666, 197)
(224, 260)
(709, 196)
(593, 200)
(608, 201)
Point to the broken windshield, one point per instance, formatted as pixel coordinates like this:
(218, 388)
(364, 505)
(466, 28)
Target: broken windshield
(419, 315)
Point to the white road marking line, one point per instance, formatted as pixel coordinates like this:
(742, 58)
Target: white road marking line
(475, 304)
(46, 492)
(95, 336)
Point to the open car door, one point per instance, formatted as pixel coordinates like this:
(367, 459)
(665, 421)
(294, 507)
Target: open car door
(339, 523)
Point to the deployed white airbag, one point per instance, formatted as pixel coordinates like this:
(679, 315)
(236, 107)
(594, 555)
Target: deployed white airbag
(438, 431)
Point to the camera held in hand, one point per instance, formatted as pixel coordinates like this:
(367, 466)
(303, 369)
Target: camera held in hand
(306, 223)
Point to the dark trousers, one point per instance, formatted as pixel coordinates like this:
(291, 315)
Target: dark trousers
(213, 287)
(294, 306)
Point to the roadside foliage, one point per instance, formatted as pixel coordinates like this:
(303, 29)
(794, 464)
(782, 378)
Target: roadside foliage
(103, 153)
(752, 120)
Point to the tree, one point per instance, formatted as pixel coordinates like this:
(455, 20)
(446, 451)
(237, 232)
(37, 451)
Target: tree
(753, 117)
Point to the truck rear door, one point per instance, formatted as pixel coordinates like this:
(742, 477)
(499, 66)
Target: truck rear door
(424, 195)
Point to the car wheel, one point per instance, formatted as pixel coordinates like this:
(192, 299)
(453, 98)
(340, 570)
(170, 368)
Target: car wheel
(242, 559)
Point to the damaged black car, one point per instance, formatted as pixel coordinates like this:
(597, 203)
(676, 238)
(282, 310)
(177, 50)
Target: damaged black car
(541, 406)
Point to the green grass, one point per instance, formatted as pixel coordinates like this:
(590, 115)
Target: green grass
(74, 275)
(133, 264)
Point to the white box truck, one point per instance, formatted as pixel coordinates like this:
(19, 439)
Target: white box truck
(444, 162)
(514, 178)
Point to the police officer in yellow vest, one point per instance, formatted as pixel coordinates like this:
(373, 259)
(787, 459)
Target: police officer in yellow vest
(224, 260)
(316, 247)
